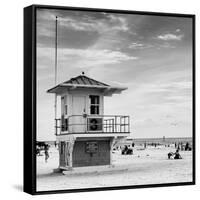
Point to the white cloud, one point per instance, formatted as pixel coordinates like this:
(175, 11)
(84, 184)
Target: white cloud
(138, 45)
(45, 14)
(86, 57)
(112, 23)
(92, 57)
(120, 22)
(86, 23)
(170, 36)
(178, 30)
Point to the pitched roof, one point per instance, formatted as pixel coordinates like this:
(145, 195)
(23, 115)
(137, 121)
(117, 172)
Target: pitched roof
(84, 80)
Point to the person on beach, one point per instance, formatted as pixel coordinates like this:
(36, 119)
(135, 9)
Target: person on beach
(177, 155)
(178, 148)
(37, 151)
(46, 152)
(187, 146)
(125, 148)
(170, 154)
(182, 146)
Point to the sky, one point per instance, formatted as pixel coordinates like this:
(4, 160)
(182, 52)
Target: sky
(151, 55)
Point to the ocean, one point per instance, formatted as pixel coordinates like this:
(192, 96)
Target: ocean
(168, 140)
(163, 141)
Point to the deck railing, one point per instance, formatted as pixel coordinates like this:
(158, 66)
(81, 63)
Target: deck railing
(93, 124)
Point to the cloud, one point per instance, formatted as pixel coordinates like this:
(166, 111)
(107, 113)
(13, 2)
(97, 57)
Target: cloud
(86, 22)
(168, 92)
(85, 57)
(138, 45)
(141, 46)
(178, 30)
(120, 22)
(169, 36)
(165, 45)
(81, 30)
(110, 23)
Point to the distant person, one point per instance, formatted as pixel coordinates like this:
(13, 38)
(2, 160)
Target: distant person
(46, 152)
(170, 154)
(37, 151)
(182, 146)
(55, 143)
(124, 151)
(187, 146)
(126, 148)
(177, 155)
(133, 144)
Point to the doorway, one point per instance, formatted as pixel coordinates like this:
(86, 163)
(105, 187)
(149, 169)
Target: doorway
(78, 109)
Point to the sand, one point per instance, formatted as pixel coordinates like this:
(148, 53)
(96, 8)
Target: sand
(149, 166)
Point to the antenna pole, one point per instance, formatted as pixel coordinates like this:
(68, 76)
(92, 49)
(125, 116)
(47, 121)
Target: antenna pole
(56, 45)
(56, 62)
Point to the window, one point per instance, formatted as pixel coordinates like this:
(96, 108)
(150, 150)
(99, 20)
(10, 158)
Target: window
(66, 124)
(65, 109)
(94, 104)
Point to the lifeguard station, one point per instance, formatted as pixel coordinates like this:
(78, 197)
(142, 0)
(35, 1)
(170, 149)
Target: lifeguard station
(84, 133)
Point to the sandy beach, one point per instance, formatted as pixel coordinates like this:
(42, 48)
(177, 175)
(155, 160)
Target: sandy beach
(145, 166)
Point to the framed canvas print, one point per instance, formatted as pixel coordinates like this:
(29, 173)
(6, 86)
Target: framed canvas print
(109, 99)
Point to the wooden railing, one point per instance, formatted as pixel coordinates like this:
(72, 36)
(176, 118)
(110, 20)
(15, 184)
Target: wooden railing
(93, 124)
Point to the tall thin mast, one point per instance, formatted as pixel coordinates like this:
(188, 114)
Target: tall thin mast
(56, 62)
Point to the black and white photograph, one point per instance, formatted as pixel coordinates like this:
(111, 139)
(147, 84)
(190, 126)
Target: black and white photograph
(114, 99)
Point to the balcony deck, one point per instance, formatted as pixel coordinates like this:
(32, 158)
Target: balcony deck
(94, 124)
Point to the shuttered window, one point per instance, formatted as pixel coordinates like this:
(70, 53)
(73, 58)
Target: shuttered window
(94, 104)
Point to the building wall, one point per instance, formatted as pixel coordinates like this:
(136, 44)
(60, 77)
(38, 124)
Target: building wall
(82, 158)
(69, 98)
(86, 93)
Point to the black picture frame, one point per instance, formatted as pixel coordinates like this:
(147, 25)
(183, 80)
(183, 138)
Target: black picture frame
(30, 103)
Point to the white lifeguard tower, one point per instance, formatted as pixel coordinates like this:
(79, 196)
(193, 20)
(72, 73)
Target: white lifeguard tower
(84, 133)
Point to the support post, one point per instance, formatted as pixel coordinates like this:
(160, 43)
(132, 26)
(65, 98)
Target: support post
(112, 141)
(70, 148)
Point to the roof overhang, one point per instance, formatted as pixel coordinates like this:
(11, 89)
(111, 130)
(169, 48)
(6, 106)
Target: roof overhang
(106, 90)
